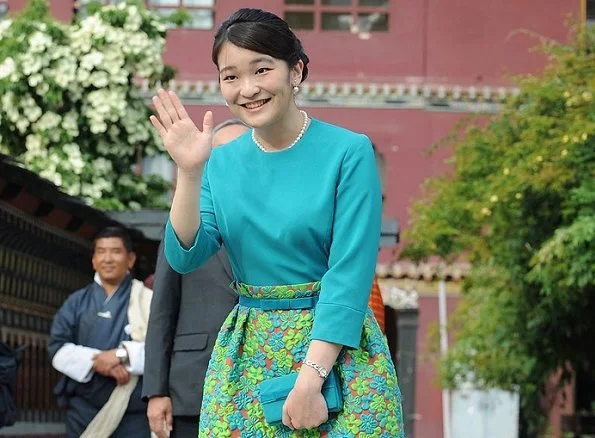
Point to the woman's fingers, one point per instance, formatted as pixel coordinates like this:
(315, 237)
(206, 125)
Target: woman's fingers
(168, 105)
(164, 116)
(286, 419)
(177, 104)
(158, 126)
(207, 123)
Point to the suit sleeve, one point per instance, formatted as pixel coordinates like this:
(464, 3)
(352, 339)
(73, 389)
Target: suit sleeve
(345, 287)
(163, 319)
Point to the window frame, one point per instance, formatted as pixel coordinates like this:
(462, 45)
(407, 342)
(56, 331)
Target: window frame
(180, 5)
(188, 8)
(588, 12)
(317, 8)
(6, 5)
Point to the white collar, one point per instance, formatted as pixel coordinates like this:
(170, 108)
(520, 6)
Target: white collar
(97, 279)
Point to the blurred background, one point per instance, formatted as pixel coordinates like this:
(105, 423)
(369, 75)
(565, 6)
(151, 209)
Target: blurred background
(404, 72)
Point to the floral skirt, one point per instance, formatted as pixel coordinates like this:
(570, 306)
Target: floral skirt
(254, 345)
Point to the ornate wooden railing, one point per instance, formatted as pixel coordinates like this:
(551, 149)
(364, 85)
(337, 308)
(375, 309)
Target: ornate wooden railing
(39, 267)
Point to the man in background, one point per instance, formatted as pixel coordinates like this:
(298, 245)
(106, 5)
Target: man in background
(97, 343)
(186, 314)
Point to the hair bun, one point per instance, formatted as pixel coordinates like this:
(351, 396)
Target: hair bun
(262, 32)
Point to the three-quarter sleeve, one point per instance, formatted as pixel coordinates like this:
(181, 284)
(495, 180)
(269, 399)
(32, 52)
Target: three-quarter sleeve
(345, 288)
(207, 241)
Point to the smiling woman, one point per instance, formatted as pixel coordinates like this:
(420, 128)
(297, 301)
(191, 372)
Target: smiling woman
(260, 68)
(300, 218)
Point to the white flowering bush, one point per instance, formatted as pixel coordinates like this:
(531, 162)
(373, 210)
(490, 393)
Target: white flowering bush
(69, 108)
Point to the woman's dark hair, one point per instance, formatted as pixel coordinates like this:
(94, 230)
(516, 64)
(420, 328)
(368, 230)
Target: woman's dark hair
(262, 32)
(114, 232)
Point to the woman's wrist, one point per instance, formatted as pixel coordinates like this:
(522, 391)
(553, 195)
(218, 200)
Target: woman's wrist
(192, 175)
(309, 380)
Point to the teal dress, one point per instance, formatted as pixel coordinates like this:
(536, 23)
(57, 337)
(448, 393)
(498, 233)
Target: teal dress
(301, 222)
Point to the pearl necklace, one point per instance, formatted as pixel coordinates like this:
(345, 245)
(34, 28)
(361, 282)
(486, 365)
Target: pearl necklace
(298, 138)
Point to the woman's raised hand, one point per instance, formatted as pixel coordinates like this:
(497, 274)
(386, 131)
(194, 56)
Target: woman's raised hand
(189, 147)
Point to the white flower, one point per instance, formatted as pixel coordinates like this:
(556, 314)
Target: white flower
(90, 191)
(134, 20)
(7, 68)
(31, 64)
(91, 60)
(93, 26)
(48, 120)
(33, 113)
(103, 184)
(52, 175)
(75, 158)
(35, 80)
(65, 72)
(22, 124)
(126, 181)
(33, 142)
(43, 88)
(70, 124)
(98, 127)
(99, 79)
(102, 166)
(83, 76)
(39, 41)
(8, 99)
(4, 26)
(74, 189)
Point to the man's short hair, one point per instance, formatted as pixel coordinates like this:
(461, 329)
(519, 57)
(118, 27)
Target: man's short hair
(114, 232)
(228, 122)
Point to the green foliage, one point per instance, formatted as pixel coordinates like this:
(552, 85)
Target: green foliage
(69, 106)
(179, 17)
(520, 204)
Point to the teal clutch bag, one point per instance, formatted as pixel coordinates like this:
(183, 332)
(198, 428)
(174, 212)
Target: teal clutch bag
(273, 393)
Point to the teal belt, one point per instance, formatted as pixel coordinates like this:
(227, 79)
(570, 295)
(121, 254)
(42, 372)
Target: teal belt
(279, 303)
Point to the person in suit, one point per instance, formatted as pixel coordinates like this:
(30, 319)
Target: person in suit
(186, 314)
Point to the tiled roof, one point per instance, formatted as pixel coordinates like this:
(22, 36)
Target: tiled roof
(423, 271)
(358, 94)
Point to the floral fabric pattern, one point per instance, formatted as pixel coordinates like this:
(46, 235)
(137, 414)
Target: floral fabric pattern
(254, 345)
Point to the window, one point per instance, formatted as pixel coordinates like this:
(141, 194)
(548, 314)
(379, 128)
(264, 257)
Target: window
(300, 20)
(201, 11)
(80, 7)
(3, 9)
(356, 16)
(590, 12)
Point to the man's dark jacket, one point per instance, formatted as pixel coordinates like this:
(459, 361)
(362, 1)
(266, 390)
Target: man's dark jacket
(187, 312)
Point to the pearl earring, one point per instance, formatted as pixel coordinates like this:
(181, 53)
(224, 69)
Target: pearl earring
(296, 89)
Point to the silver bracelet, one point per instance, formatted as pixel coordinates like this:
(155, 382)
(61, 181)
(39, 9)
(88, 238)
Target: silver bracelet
(322, 371)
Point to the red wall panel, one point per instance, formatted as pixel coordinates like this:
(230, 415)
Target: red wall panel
(480, 42)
